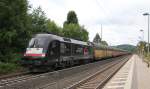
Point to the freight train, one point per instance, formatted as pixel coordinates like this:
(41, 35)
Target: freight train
(47, 52)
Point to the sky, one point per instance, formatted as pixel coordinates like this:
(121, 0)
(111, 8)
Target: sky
(121, 19)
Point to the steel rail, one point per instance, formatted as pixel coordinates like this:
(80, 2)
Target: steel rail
(86, 82)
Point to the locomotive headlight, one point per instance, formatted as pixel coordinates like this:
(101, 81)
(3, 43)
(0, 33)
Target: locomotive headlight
(43, 55)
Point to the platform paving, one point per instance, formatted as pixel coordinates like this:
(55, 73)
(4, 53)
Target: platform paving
(135, 74)
(123, 78)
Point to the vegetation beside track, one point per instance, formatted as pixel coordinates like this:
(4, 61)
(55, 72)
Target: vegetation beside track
(146, 58)
(8, 68)
(142, 49)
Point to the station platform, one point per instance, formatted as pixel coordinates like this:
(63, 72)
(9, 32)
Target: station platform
(135, 74)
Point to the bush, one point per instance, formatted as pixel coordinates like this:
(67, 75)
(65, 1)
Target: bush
(6, 68)
(146, 57)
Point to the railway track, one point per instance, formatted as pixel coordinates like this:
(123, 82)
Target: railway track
(97, 80)
(64, 83)
(19, 78)
(50, 80)
(13, 75)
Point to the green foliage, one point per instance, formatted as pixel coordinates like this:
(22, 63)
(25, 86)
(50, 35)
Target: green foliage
(53, 28)
(6, 68)
(104, 43)
(75, 31)
(13, 26)
(38, 21)
(97, 39)
(142, 46)
(71, 18)
(84, 34)
(72, 29)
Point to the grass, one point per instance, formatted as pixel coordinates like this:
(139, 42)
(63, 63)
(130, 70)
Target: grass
(10, 64)
(147, 57)
(7, 68)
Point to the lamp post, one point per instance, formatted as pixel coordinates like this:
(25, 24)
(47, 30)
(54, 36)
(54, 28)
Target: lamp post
(147, 14)
(142, 39)
(141, 30)
(101, 32)
(140, 45)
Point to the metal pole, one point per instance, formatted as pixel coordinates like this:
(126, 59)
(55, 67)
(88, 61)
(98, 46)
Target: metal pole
(148, 34)
(147, 14)
(142, 40)
(143, 35)
(101, 31)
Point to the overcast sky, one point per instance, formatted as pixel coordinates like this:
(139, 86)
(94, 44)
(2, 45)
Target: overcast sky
(121, 19)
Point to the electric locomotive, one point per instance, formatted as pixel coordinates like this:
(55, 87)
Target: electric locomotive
(48, 51)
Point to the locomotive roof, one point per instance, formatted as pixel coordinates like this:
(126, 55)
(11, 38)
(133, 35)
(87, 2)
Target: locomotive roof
(63, 39)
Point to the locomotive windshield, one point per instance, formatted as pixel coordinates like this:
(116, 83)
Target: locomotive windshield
(37, 43)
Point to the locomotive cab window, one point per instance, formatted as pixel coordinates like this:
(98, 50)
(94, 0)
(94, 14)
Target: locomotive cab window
(65, 49)
(37, 43)
(77, 50)
(54, 49)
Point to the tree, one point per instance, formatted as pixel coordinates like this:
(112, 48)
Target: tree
(38, 21)
(97, 39)
(104, 43)
(53, 28)
(13, 27)
(71, 18)
(84, 34)
(72, 29)
(142, 46)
